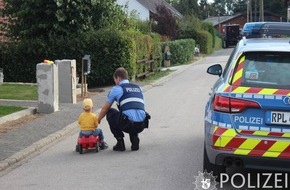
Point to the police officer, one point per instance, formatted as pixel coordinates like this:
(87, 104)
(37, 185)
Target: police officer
(131, 116)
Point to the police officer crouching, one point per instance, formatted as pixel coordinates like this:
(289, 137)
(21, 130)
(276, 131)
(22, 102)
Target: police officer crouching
(131, 116)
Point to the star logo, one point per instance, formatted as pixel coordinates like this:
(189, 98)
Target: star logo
(205, 181)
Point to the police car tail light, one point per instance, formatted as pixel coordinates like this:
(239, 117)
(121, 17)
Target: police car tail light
(238, 105)
(221, 104)
(232, 105)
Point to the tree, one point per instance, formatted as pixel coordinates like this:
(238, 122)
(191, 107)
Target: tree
(239, 6)
(186, 7)
(219, 8)
(230, 7)
(276, 6)
(204, 9)
(165, 23)
(42, 19)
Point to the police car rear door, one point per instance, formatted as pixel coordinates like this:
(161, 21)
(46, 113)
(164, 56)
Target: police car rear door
(260, 94)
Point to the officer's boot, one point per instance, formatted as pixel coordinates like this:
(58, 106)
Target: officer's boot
(135, 142)
(120, 146)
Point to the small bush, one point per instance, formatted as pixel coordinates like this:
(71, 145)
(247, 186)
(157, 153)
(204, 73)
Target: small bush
(218, 43)
(207, 26)
(182, 50)
(204, 39)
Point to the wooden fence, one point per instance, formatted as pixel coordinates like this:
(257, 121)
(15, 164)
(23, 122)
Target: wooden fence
(148, 66)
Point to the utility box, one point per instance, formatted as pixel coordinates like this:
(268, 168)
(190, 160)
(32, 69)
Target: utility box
(47, 82)
(1, 76)
(67, 80)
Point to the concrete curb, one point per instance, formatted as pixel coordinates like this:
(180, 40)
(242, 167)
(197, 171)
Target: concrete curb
(17, 115)
(37, 146)
(73, 127)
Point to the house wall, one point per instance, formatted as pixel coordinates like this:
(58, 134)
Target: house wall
(241, 20)
(143, 13)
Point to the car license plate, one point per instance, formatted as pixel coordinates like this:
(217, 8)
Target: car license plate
(274, 117)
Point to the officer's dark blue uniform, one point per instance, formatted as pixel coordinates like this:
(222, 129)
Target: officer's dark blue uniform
(131, 116)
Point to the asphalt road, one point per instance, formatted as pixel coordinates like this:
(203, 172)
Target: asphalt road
(171, 150)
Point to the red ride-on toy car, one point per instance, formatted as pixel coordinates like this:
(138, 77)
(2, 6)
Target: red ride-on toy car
(88, 142)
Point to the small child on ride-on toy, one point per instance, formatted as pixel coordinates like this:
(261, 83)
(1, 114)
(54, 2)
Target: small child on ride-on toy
(88, 124)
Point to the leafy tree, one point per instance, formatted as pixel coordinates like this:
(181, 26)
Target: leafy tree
(239, 6)
(186, 7)
(276, 6)
(230, 7)
(42, 19)
(166, 23)
(204, 9)
(223, 7)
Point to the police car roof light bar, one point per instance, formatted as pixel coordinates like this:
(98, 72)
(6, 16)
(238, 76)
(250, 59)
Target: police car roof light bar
(266, 29)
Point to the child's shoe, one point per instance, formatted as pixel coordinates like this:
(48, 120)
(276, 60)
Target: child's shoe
(104, 145)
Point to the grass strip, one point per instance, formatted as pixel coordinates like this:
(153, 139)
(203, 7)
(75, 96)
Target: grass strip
(18, 92)
(6, 110)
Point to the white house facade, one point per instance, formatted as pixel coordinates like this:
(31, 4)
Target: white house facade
(133, 5)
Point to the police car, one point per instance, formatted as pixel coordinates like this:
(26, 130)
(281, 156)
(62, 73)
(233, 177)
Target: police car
(247, 117)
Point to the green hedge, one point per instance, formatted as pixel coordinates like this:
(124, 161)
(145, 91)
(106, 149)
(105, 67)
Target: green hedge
(19, 59)
(112, 49)
(204, 39)
(201, 37)
(109, 49)
(207, 26)
(147, 46)
(182, 50)
(218, 43)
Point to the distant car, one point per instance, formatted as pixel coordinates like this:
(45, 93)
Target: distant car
(247, 117)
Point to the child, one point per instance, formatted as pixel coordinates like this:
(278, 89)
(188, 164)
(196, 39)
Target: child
(88, 123)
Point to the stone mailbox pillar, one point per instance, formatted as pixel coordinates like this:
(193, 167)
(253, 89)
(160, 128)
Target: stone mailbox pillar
(67, 80)
(1, 76)
(47, 81)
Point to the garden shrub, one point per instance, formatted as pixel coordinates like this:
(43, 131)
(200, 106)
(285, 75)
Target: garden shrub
(19, 58)
(218, 43)
(112, 49)
(207, 26)
(147, 47)
(204, 39)
(181, 50)
(109, 49)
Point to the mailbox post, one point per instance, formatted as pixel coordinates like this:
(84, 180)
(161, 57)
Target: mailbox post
(167, 56)
(86, 69)
(1, 76)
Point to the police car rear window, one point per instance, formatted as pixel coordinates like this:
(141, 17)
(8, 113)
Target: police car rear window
(266, 70)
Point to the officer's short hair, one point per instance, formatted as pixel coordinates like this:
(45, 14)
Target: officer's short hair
(121, 72)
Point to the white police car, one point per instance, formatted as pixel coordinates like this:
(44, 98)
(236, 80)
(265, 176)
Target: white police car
(247, 117)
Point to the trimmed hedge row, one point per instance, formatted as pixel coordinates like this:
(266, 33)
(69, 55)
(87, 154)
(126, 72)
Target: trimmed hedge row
(109, 49)
(204, 40)
(182, 50)
(218, 43)
(147, 47)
